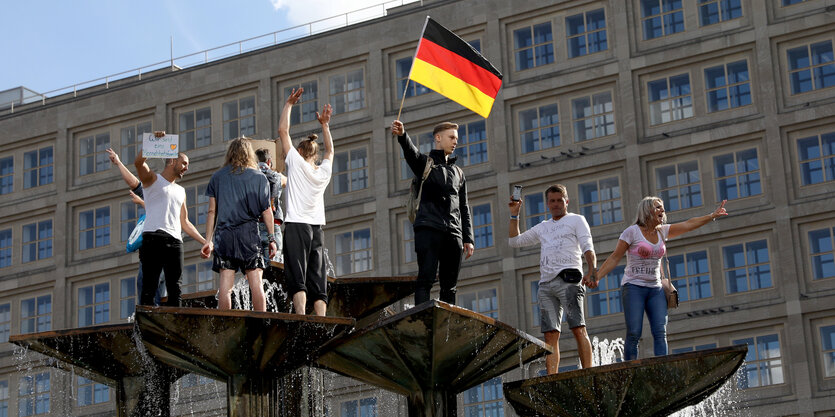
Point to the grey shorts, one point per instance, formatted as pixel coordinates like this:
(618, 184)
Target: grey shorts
(555, 295)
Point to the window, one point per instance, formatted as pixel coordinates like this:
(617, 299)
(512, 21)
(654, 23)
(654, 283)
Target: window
(127, 297)
(424, 143)
(94, 228)
(33, 394)
(737, 174)
(5, 322)
(816, 155)
(366, 407)
(131, 212)
(661, 18)
(195, 128)
(694, 348)
(305, 109)
(792, 2)
(715, 11)
(347, 91)
(37, 167)
(90, 392)
(484, 301)
(482, 226)
(536, 314)
(350, 171)
(472, 144)
(6, 175)
(239, 118)
(828, 347)
(533, 46)
(811, 67)
(670, 99)
(690, 273)
(586, 33)
(36, 314)
(600, 201)
(593, 116)
(605, 299)
(484, 400)
(92, 154)
(763, 363)
(37, 241)
(727, 86)
(539, 128)
(4, 398)
(823, 257)
(132, 140)
(403, 68)
(535, 210)
(679, 185)
(94, 304)
(197, 204)
(747, 267)
(198, 277)
(409, 254)
(5, 248)
(353, 252)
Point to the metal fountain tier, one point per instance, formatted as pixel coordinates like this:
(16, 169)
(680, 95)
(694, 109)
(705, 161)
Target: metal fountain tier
(109, 355)
(430, 353)
(646, 387)
(247, 349)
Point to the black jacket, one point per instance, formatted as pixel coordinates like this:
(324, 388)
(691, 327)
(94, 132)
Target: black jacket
(443, 203)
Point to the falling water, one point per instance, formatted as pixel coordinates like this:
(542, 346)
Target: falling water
(725, 402)
(605, 352)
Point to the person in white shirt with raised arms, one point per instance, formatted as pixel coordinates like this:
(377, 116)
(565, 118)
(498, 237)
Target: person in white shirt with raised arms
(565, 240)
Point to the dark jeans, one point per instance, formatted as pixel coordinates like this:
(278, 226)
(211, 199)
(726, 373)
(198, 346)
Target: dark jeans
(161, 252)
(160, 289)
(437, 253)
(304, 261)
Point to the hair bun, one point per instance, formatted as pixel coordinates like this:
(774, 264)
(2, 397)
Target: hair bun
(313, 136)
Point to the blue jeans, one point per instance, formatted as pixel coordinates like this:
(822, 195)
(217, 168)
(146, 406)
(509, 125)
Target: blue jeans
(637, 299)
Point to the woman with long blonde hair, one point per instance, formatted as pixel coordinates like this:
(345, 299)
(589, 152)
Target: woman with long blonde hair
(644, 246)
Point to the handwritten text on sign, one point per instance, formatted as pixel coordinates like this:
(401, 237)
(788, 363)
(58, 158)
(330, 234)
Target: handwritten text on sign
(167, 146)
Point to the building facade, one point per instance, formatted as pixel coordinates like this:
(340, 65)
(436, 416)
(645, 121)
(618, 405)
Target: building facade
(692, 100)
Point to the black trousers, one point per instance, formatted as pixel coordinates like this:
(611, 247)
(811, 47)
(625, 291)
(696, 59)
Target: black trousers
(161, 252)
(438, 253)
(304, 260)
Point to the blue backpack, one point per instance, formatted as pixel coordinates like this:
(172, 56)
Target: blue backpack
(135, 239)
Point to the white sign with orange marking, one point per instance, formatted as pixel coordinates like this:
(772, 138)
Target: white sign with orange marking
(167, 146)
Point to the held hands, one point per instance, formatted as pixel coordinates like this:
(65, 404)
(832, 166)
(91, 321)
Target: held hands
(468, 249)
(207, 249)
(295, 96)
(590, 279)
(325, 117)
(397, 128)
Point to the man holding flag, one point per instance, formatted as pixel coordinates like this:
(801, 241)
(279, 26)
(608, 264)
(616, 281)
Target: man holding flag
(443, 228)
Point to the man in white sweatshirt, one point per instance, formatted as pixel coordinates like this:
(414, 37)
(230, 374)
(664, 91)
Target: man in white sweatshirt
(565, 240)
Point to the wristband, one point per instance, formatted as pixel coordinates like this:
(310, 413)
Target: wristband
(514, 217)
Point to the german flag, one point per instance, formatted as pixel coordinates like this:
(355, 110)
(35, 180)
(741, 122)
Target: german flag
(449, 65)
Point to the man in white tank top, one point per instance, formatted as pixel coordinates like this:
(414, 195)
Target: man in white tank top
(166, 217)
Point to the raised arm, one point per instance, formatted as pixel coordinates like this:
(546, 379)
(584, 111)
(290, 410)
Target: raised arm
(414, 158)
(324, 120)
(143, 171)
(129, 178)
(284, 120)
(189, 228)
(678, 229)
(516, 240)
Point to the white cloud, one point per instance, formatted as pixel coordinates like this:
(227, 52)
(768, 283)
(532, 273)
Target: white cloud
(306, 11)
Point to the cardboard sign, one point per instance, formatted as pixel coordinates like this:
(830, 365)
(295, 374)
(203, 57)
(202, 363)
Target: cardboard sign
(278, 160)
(167, 146)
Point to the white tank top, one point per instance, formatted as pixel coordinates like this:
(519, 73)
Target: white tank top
(163, 203)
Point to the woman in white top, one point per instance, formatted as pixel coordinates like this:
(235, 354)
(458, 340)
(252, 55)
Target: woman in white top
(643, 244)
(304, 257)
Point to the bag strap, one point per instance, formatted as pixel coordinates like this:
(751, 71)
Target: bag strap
(665, 261)
(426, 170)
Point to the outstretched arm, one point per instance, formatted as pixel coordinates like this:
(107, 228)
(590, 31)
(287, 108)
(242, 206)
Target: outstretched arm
(129, 178)
(324, 120)
(284, 120)
(678, 229)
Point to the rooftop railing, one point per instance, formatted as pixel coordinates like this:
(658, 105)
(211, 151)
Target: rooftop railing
(231, 49)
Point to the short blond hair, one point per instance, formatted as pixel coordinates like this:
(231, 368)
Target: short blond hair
(645, 208)
(440, 127)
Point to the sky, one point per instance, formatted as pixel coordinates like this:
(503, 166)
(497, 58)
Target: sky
(50, 45)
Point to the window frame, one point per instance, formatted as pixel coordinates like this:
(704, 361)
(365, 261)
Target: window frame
(346, 91)
(702, 3)
(736, 175)
(811, 67)
(675, 164)
(349, 172)
(592, 116)
(7, 252)
(352, 251)
(725, 269)
(37, 241)
(586, 33)
(239, 117)
(47, 325)
(757, 360)
(94, 305)
(81, 232)
(533, 46)
(661, 15)
(727, 86)
(672, 107)
(7, 179)
(189, 114)
(36, 169)
(615, 210)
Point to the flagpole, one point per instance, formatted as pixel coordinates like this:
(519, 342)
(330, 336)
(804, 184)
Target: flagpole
(409, 79)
